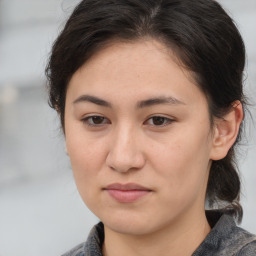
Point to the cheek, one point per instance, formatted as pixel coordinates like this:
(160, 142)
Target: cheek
(81, 154)
(183, 162)
(85, 167)
(86, 158)
(81, 147)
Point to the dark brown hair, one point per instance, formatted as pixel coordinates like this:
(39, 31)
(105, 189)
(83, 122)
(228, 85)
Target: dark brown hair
(203, 37)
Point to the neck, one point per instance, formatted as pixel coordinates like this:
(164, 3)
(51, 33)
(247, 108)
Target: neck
(179, 239)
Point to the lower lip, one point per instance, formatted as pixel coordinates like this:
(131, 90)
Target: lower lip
(127, 196)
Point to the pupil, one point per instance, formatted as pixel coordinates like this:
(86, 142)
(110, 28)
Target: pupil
(158, 120)
(97, 119)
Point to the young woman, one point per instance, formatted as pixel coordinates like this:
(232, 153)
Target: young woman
(150, 98)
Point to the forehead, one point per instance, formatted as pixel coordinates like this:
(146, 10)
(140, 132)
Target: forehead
(129, 70)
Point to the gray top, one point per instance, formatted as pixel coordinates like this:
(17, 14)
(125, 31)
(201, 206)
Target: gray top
(225, 239)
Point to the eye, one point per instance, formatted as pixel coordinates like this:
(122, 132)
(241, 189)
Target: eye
(95, 120)
(159, 121)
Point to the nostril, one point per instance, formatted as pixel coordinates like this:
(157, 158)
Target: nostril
(112, 168)
(124, 163)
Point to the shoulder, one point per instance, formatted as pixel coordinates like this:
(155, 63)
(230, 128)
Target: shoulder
(226, 238)
(93, 244)
(249, 249)
(244, 243)
(238, 241)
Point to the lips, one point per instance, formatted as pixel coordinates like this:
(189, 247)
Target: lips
(127, 193)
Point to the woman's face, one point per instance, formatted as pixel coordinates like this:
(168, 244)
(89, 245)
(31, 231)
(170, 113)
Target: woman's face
(139, 139)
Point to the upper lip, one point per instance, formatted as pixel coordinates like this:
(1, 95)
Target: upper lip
(124, 187)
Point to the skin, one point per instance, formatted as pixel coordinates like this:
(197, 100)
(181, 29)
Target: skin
(170, 156)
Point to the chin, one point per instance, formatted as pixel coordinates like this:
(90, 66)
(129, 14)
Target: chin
(130, 224)
(134, 229)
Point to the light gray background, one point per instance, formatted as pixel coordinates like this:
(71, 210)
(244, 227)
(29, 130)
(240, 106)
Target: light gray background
(41, 212)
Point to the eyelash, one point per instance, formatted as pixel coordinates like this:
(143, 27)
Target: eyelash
(166, 120)
(89, 121)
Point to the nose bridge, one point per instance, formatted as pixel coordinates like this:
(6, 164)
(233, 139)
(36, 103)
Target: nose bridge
(125, 152)
(124, 135)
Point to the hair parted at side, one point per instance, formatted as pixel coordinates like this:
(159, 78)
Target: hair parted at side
(201, 35)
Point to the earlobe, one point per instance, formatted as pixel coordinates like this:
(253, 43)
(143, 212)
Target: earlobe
(226, 130)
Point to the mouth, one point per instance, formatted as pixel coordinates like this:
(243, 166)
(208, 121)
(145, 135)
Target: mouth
(127, 193)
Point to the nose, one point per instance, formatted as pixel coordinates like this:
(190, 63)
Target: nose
(125, 152)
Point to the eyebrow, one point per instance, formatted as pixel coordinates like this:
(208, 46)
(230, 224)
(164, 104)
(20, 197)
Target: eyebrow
(92, 99)
(158, 101)
(140, 104)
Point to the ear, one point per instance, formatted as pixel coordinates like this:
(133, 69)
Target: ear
(226, 130)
